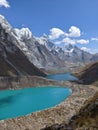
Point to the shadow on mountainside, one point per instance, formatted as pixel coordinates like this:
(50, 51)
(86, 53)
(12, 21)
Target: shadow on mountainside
(88, 75)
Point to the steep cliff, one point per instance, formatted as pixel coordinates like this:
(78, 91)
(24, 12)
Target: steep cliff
(12, 59)
(43, 53)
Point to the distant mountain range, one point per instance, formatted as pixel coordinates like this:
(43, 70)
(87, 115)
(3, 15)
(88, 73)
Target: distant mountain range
(20, 51)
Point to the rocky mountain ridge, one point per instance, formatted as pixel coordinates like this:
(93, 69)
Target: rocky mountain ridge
(43, 53)
(69, 54)
(12, 60)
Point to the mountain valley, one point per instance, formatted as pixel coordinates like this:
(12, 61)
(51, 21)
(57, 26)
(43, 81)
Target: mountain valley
(26, 60)
(42, 52)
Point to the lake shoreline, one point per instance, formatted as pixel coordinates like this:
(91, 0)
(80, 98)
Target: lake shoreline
(36, 99)
(63, 112)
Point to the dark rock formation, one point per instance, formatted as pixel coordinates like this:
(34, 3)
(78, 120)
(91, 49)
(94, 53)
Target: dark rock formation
(88, 74)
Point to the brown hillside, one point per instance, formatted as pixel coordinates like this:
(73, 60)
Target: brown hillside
(88, 74)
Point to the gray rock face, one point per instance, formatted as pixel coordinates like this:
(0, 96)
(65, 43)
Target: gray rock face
(69, 54)
(12, 60)
(37, 50)
(77, 55)
(42, 52)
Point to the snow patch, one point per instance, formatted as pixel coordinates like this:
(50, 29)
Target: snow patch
(5, 25)
(23, 33)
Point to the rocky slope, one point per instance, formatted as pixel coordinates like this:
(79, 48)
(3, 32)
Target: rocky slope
(12, 59)
(88, 74)
(43, 53)
(70, 54)
(86, 119)
(36, 53)
(18, 51)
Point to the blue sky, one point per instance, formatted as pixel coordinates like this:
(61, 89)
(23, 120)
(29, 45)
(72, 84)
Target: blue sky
(64, 21)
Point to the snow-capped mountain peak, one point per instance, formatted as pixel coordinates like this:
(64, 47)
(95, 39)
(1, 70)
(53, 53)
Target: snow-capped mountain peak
(40, 50)
(43, 39)
(69, 47)
(23, 33)
(5, 25)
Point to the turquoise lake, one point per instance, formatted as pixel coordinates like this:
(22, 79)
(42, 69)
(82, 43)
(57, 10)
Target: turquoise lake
(14, 103)
(60, 77)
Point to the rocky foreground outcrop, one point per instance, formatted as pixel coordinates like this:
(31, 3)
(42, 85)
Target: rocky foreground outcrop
(86, 119)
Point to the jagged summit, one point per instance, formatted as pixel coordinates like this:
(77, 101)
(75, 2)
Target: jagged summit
(43, 39)
(23, 33)
(13, 61)
(41, 51)
(69, 46)
(4, 23)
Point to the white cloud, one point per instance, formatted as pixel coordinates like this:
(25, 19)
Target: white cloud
(68, 41)
(4, 3)
(59, 36)
(94, 39)
(85, 49)
(74, 32)
(58, 42)
(65, 41)
(55, 33)
(74, 41)
(82, 41)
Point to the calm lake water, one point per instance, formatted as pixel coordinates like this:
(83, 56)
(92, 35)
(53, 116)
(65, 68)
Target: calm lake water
(14, 103)
(60, 77)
